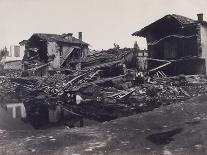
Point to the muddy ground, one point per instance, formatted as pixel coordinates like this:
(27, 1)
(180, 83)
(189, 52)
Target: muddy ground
(177, 129)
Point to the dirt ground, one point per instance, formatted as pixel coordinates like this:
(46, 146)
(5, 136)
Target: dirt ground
(177, 129)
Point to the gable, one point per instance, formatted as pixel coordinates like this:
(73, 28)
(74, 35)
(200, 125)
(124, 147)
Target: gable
(167, 23)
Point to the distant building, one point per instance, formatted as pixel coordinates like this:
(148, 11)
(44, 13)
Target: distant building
(14, 51)
(22, 47)
(13, 61)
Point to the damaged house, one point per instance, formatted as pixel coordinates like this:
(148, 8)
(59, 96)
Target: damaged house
(176, 45)
(45, 52)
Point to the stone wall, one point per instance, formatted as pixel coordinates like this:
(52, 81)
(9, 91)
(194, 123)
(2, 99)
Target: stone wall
(13, 65)
(54, 50)
(203, 35)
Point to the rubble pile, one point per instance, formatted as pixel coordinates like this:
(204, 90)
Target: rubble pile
(8, 90)
(52, 85)
(93, 92)
(109, 98)
(11, 73)
(7, 87)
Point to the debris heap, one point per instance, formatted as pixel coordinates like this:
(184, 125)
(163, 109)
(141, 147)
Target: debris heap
(92, 90)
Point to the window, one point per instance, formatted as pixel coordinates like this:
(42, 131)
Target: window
(61, 50)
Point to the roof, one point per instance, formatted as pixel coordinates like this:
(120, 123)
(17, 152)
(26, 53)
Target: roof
(103, 58)
(183, 20)
(23, 42)
(178, 18)
(59, 38)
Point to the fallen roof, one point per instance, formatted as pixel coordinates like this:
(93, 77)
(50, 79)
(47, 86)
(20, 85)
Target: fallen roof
(59, 38)
(178, 18)
(105, 56)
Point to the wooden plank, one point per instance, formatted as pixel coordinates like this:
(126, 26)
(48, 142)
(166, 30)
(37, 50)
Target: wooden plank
(74, 79)
(154, 69)
(107, 79)
(158, 60)
(38, 67)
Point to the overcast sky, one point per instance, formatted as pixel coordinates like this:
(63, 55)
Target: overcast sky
(103, 22)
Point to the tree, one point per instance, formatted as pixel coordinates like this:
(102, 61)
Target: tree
(136, 46)
(3, 52)
(6, 52)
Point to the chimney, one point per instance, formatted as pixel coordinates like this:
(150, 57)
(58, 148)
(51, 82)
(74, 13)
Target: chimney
(68, 36)
(200, 17)
(80, 36)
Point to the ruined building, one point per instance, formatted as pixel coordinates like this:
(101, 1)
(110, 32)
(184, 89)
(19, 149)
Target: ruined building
(52, 51)
(176, 45)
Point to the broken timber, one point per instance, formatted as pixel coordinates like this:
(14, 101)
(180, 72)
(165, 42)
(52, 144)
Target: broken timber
(157, 68)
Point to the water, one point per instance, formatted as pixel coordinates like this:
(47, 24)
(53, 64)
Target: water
(14, 116)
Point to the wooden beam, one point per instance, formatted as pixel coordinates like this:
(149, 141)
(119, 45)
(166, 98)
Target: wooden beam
(158, 60)
(154, 69)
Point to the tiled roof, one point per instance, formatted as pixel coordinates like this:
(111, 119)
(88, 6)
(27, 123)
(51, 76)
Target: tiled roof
(183, 20)
(180, 19)
(59, 38)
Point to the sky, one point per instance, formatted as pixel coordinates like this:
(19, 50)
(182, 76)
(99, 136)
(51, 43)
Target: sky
(103, 22)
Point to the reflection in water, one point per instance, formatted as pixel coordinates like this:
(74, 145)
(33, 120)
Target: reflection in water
(15, 116)
(14, 107)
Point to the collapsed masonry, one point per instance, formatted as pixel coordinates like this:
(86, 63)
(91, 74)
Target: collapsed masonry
(111, 84)
(103, 99)
(45, 52)
(63, 85)
(104, 86)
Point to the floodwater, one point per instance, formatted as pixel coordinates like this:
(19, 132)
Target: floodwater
(13, 116)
